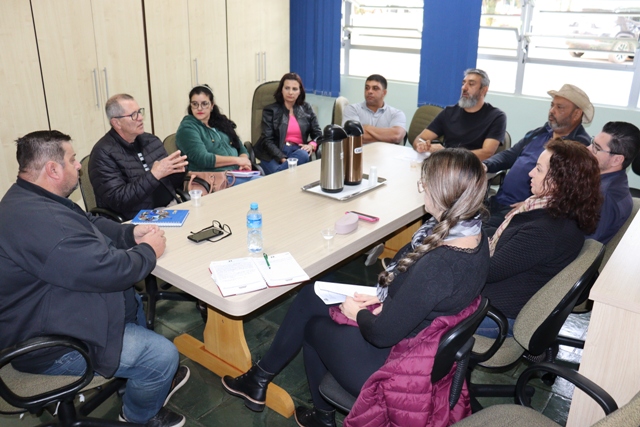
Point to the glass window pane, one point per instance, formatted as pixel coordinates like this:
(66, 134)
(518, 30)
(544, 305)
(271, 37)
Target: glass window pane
(615, 92)
(501, 73)
(392, 65)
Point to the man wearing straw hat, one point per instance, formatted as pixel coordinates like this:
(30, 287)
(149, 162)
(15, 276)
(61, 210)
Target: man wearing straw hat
(570, 109)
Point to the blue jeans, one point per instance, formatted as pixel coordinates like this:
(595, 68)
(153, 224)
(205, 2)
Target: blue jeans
(488, 328)
(291, 151)
(148, 361)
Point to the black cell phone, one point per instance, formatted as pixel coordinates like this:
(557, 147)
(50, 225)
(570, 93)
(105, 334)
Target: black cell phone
(205, 234)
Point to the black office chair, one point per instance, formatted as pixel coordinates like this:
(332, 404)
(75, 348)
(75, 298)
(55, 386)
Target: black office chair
(535, 332)
(455, 346)
(151, 294)
(521, 414)
(22, 392)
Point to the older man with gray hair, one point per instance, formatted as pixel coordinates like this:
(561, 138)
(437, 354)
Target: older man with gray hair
(472, 123)
(129, 169)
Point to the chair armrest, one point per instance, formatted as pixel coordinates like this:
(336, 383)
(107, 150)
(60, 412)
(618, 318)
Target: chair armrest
(496, 178)
(43, 399)
(503, 325)
(593, 390)
(107, 213)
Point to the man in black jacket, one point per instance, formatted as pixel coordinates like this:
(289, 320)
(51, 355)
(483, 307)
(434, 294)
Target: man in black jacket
(71, 273)
(129, 169)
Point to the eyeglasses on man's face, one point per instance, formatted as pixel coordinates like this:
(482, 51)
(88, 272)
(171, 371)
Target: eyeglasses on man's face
(200, 105)
(595, 147)
(134, 116)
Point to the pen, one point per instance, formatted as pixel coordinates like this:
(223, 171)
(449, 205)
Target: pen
(266, 259)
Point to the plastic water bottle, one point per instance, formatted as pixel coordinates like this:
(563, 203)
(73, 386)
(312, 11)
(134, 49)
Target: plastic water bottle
(254, 229)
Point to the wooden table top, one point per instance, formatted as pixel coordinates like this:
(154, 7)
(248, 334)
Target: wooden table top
(292, 222)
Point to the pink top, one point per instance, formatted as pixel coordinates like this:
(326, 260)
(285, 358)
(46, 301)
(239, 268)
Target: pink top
(293, 131)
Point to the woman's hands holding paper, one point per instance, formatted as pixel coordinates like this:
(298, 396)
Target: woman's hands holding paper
(352, 305)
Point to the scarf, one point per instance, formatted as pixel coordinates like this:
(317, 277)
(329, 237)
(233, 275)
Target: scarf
(467, 227)
(532, 203)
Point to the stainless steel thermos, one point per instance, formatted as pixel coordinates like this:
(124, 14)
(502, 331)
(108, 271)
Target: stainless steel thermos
(352, 147)
(331, 162)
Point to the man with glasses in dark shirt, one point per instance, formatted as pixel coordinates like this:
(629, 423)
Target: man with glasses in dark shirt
(614, 148)
(129, 169)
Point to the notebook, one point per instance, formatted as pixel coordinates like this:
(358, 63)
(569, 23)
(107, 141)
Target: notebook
(242, 275)
(161, 217)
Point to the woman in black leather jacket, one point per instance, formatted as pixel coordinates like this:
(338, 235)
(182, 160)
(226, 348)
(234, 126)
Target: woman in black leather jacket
(286, 126)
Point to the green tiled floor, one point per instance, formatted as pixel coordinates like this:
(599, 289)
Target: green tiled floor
(204, 403)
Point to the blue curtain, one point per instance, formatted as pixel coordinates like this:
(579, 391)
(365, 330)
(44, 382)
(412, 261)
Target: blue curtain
(449, 46)
(315, 44)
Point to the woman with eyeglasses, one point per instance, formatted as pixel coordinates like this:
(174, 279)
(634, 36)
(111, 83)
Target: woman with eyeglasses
(287, 126)
(546, 232)
(439, 273)
(209, 138)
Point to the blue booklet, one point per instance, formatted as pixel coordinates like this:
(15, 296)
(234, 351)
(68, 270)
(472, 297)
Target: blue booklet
(161, 217)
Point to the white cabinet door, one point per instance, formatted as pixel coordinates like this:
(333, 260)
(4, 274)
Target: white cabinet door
(22, 103)
(122, 63)
(169, 62)
(276, 39)
(208, 42)
(70, 70)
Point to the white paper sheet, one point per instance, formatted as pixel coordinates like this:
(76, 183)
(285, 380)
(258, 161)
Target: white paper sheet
(334, 293)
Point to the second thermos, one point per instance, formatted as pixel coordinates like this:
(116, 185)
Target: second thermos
(352, 149)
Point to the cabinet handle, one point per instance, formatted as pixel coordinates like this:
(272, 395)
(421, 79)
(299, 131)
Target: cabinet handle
(106, 81)
(197, 79)
(264, 66)
(95, 84)
(258, 68)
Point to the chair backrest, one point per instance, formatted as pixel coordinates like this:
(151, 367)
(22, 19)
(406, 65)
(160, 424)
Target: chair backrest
(170, 143)
(86, 189)
(613, 243)
(338, 107)
(421, 119)
(540, 320)
(506, 144)
(454, 339)
(262, 96)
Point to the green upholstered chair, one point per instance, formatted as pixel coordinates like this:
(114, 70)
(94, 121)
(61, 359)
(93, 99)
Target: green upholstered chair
(522, 415)
(22, 392)
(535, 332)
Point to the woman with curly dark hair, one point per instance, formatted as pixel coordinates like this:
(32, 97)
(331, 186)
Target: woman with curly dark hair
(545, 233)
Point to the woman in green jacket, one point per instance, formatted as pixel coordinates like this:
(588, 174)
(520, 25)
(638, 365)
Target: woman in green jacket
(208, 137)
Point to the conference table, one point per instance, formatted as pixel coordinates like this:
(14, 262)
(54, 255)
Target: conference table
(292, 222)
(611, 355)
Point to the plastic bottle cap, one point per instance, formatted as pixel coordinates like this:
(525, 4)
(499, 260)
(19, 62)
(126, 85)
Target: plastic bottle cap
(254, 206)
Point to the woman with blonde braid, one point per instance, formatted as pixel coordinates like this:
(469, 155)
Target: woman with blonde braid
(439, 273)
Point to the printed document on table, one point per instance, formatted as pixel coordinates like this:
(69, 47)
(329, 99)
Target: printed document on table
(284, 270)
(334, 293)
(236, 276)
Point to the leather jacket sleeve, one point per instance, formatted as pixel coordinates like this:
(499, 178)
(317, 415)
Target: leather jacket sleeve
(268, 147)
(311, 129)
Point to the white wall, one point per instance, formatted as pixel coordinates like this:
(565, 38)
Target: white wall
(523, 112)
